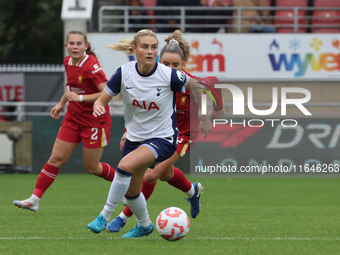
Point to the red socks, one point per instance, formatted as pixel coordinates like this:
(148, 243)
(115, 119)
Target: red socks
(45, 179)
(179, 181)
(147, 190)
(49, 173)
(108, 172)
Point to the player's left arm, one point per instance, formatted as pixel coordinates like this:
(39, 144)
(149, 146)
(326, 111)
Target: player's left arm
(100, 103)
(194, 85)
(72, 96)
(179, 82)
(217, 112)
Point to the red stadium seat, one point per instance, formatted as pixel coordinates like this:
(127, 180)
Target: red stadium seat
(326, 3)
(149, 2)
(286, 17)
(150, 12)
(326, 18)
(292, 3)
(267, 2)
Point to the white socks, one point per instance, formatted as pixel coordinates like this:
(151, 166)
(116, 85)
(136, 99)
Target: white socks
(123, 216)
(191, 192)
(35, 199)
(119, 187)
(138, 207)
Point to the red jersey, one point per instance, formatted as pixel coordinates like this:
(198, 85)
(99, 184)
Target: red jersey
(184, 103)
(83, 79)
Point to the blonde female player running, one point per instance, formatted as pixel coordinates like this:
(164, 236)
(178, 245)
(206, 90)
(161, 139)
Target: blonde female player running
(175, 54)
(148, 91)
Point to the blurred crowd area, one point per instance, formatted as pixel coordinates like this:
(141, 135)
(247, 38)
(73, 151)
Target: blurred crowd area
(221, 16)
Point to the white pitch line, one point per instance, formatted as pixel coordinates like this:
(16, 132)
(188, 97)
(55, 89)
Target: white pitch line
(198, 238)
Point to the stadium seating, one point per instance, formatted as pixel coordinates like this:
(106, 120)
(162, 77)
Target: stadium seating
(149, 2)
(267, 2)
(150, 12)
(326, 18)
(326, 3)
(291, 3)
(286, 17)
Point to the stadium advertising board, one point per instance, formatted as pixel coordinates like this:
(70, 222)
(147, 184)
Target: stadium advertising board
(230, 56)
(309, 149)
(12, 87)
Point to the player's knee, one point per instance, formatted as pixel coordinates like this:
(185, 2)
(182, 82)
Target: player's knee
(125, 166)
(166, 176)
(55, 161)
(90, 169)
(151, 177)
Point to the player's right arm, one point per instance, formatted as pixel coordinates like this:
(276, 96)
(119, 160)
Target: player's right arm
(59, 107)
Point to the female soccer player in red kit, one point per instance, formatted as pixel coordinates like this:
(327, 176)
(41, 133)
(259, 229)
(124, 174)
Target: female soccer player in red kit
(175, 55)
(85, 81)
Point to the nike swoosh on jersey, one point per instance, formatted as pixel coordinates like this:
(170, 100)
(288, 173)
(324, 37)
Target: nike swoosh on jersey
(93, 142)
(128, 87)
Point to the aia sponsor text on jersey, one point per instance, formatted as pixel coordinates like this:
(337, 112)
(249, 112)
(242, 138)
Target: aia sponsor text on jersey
(144, 105)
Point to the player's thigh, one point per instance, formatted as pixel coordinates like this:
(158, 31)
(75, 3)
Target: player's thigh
(163, 169)
(138, 160)
(61, 152)
(91, 157)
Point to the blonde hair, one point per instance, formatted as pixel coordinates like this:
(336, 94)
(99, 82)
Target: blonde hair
(182, 48)
(125, 45)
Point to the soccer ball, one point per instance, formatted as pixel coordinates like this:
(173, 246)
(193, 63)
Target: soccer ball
(173, 224)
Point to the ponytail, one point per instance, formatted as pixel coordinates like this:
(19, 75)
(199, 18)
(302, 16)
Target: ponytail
(125, 45)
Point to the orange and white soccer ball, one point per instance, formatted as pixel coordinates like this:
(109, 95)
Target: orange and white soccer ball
(173, 224)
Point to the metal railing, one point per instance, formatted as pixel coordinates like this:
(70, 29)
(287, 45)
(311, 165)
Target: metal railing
(105, 18)
(31, 68)
(20, 111)
(116, 108)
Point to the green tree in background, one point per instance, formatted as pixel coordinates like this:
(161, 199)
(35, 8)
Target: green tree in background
(31, 31)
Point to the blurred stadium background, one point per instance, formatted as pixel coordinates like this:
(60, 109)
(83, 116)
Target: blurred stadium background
(304, 52)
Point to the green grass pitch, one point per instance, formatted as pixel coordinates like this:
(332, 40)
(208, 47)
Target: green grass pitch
(238, 216)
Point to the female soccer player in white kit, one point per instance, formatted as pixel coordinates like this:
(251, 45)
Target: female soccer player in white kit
(149, 100)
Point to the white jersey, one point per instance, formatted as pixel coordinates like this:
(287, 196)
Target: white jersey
(149, 100)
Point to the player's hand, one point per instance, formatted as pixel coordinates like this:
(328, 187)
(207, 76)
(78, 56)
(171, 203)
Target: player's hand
(71, 96)
(217, 114)
(56, 110)
(99, 110)
(205, 125)
(122, 141)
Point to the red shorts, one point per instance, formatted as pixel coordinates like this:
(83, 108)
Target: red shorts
(92, 137)
(184, 144)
